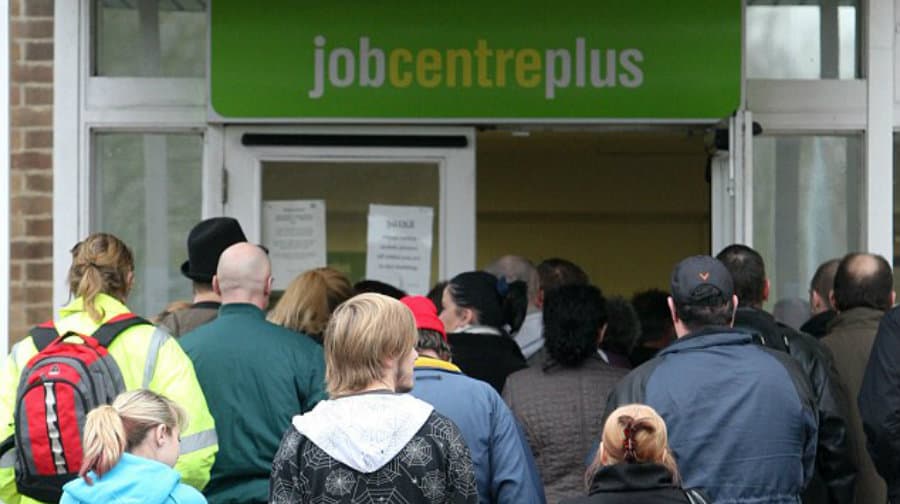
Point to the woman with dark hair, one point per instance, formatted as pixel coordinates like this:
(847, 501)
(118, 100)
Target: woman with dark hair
(560, 404)
(477, 315)
(634, 464)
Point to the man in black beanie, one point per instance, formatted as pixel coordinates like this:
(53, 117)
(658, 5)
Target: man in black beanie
(205, 243)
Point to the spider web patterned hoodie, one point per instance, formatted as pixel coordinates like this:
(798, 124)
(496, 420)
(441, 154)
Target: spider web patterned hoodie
(376, 447)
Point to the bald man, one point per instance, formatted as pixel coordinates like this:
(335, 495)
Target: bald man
(256, 376)
(863, 290)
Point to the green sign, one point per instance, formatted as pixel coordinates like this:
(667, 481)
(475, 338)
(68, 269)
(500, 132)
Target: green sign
(468, 60)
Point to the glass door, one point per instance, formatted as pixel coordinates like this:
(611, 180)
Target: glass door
(390, 204)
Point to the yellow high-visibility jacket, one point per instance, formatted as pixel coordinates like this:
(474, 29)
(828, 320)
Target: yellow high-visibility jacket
(148, 358)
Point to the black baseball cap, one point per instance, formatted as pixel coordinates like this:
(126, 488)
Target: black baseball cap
(701, 280)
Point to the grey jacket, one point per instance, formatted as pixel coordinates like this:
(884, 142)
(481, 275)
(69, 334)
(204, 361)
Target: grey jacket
(561, 411)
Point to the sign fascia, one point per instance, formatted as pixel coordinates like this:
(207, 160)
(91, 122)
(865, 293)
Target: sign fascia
(467, 61)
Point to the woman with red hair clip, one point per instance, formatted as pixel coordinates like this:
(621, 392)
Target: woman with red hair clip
(634, 464)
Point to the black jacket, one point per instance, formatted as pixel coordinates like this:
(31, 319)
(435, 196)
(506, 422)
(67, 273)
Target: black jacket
(632, 484)
(817, 325)
(835, 477)
(879, 402)
(486, 356)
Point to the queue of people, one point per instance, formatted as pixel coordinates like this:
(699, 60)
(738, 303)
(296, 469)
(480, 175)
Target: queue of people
(521, 383)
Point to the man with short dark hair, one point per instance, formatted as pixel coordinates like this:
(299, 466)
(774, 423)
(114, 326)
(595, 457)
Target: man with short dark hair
(863, 291)
(504, 466)
(740, 417)
(205, 243)
(372, 442)
(835, 476)
(657, 331)
(820, 306)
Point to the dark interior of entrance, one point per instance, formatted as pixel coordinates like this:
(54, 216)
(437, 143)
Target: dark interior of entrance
(624, 205)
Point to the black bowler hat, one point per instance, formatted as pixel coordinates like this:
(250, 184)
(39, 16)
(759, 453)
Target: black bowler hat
(206, 242)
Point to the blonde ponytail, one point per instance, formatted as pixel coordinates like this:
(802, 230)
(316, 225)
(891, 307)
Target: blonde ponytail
(634, 434)
(104, 441)
(111, 430)
(101, 264)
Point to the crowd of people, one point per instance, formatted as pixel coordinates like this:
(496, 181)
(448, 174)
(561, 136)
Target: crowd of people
(518, 383)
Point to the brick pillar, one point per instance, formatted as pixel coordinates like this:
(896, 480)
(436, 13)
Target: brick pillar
(31, 166)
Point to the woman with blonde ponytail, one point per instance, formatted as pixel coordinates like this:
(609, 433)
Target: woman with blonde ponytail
(129, 450)
(146, 357)
(634, 464)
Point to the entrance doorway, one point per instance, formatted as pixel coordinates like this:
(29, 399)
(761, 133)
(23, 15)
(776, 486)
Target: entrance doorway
(624, 205)
(275, 171)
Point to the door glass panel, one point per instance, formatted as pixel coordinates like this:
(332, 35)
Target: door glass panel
(807, 203)
(802, 39)
(147, 192)
(150, 38)
(348, 188)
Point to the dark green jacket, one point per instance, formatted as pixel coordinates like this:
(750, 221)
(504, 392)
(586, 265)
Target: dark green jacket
(256, 376)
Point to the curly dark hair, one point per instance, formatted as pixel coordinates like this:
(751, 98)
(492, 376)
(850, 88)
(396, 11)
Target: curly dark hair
(573, 316)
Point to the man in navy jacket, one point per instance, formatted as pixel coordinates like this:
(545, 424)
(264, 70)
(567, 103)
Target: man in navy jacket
(741, 417)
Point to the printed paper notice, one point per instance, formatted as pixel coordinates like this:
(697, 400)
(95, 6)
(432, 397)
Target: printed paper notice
(399, 246)
(294, 232)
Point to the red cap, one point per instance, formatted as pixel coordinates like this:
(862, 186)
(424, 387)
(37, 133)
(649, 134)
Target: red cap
(425, 313)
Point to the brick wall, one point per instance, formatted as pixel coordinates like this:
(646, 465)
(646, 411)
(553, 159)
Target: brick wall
(31, 182)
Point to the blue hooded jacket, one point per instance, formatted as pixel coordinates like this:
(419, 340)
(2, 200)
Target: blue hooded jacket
(133, 480)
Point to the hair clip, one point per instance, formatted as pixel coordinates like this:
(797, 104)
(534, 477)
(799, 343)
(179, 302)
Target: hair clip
(502, 286)
(629, 448)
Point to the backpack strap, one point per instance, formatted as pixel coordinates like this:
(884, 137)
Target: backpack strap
(44, 334)
(106, 333)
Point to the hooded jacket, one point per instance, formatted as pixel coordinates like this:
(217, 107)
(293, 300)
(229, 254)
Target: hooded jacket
(714, 383)
(133, 480)
(375, 446)
(835, 477)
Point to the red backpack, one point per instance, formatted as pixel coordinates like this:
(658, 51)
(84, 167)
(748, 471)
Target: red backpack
(58, 387)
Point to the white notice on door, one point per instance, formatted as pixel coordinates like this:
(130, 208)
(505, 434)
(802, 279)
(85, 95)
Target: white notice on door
(294, 232)
(399, 246)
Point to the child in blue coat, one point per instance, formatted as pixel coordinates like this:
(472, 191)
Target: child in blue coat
(130, 448)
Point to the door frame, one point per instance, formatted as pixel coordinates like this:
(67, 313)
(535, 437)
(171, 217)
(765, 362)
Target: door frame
(241, 185)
